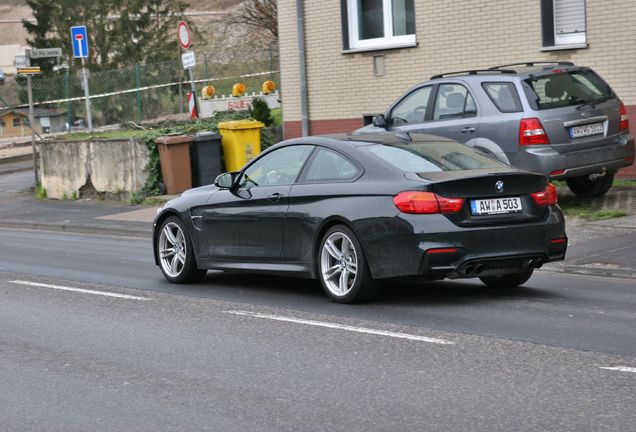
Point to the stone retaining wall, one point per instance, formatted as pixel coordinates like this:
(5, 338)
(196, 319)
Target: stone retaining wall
(112, 167)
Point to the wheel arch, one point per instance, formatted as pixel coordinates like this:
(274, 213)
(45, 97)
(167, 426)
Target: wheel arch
(489, 147)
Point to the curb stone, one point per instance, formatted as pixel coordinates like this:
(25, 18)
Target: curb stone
(591, 271)
(80, 229)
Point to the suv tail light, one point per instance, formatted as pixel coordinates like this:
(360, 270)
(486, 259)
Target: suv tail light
(531, 132)
(426, 203)
(624, 125)
(546, 197)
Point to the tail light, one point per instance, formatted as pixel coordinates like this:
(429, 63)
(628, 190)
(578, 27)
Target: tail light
(531, 132)
(624, 125)
(546, 197)
(426, 203)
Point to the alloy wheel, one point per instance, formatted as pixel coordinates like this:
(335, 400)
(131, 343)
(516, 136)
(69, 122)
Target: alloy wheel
(339, 264)
(172, 249)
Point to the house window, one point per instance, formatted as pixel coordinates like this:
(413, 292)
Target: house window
(563, 23)
(378, 24)
(17, 121)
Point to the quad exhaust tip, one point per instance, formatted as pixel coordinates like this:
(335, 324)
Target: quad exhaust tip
(478, 268)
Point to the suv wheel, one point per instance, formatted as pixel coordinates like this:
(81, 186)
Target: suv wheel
(584, 187)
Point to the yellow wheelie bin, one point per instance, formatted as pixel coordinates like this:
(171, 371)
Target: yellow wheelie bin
(241, 142)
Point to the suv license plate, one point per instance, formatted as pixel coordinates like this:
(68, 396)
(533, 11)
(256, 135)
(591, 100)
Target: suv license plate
(495, 206)
(586, 130)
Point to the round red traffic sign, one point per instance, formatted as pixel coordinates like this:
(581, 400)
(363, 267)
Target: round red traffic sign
(183, 35)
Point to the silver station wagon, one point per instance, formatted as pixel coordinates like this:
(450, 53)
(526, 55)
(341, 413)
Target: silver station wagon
(558, 119)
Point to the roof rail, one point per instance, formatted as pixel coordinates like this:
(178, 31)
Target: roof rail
(533, 63)
(474, 72)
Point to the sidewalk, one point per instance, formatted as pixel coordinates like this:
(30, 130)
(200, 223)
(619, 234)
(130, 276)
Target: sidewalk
(19, 209)
(601, 248)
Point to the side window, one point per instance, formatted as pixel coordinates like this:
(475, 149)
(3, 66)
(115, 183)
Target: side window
(278, 168)
(327, 165)
(504, 95)
(453, 102)
(411, 109)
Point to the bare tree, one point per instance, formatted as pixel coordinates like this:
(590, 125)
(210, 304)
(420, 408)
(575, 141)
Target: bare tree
(258, 14)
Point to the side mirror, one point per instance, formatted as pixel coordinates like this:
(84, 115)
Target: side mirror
(379, 121)
(225, 180)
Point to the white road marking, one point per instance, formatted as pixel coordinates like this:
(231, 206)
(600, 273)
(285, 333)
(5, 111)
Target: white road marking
(342, 327)
(620, 368)
(79, 290)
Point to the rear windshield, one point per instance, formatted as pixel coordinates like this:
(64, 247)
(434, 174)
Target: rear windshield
(564, 89)
(432, 157)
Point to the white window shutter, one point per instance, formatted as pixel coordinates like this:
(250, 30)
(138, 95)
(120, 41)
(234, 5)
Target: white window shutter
(569, 21)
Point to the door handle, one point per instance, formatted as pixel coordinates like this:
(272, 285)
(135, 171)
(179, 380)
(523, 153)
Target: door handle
(468, 130)
(274, 197)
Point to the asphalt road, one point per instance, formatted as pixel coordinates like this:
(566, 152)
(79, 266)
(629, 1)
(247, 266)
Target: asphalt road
(132, 352)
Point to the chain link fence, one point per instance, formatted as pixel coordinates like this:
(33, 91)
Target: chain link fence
(133, 94)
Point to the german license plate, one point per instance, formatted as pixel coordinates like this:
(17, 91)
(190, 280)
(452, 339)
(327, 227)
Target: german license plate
(586, 130)
(493, 206)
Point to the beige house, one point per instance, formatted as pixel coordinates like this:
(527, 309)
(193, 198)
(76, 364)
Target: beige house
(15, 122)
(361, 55)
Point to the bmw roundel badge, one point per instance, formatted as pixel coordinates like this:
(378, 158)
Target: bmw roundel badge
(499, 186)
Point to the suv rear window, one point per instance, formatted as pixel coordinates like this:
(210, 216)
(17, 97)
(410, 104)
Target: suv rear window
(432, 157)
(564, 89)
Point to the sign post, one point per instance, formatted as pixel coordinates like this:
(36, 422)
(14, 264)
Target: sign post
(31, 118)
(188, 60)
(79, 40)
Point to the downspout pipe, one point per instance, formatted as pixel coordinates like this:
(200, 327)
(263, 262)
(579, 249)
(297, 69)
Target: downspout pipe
(302, 70)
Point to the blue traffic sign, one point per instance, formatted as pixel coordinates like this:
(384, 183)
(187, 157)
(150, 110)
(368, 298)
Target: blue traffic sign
(79, 39)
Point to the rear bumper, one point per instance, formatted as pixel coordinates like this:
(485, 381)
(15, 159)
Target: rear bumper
(496, 249)
(546, 160)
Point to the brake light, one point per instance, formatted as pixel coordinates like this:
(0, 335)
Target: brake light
(426, 203)
(624, 125)
(546, 197)
(442, 251)
(560, 240)
(531, 132)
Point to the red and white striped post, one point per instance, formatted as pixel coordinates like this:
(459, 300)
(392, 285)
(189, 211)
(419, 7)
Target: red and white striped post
(192, 105)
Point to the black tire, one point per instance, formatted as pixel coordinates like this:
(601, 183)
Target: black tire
(178, 264)
(345, 290)
(512, 280)
(583, 187)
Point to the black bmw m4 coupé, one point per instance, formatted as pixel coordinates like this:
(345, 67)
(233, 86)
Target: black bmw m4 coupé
(353, 210)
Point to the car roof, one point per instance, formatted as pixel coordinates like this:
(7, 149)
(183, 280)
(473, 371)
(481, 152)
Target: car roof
(509, 70)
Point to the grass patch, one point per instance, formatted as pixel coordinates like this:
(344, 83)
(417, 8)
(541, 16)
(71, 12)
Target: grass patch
(40, 192)
(624, 184)
(593, 214)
